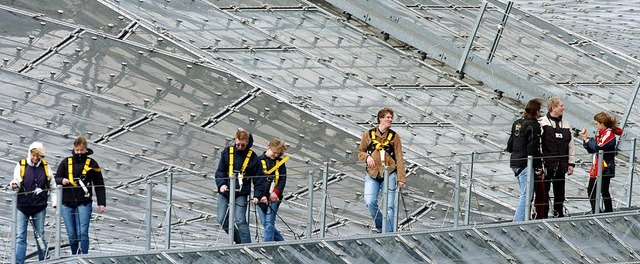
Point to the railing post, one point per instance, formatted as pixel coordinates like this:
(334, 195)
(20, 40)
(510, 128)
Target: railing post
(14, 225)
(232, 207)
(167, 241)
(531, 177)
(310, 205)
(456, 195)
(385, 200)
(632, 159)
(323, 217)
(396, 208)
(56, 252)
(599, 182)
(467, 216)
(147, 245)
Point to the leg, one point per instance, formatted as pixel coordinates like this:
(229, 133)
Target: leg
(268, 221)
(276, 234)
(393, 188)
(591, 189)
(223, 217)
(38, 226)
(520, 209)
(606, 196)
(558, 193)
(541, 201)
(21, 236)
(84, 219)
(371, 189)
(241, 219)
(69, 214)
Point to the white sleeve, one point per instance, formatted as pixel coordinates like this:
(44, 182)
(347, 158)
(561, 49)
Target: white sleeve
(53, 194)
(17, 179)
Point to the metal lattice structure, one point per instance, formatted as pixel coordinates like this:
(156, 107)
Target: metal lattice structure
(159, 87)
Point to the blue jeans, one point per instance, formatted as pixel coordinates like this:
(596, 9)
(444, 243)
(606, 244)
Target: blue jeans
(76, 221)
(522, 202)
(21, 237)
(241, 231)
(371, 190)
(268, 220)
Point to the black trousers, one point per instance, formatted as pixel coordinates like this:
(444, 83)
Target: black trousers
(606, 196)
(555, 179)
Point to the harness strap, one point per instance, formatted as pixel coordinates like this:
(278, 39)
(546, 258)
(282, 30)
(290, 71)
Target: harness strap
(274, 168)
(84, 170)
(23, 166)
(244, 164)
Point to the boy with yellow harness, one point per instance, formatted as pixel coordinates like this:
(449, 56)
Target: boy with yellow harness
(268, 189)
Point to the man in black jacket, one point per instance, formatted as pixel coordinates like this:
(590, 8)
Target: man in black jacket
(523, 142)
(238, 158)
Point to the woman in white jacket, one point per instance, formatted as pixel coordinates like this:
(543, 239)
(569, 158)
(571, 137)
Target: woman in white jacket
(33, 181)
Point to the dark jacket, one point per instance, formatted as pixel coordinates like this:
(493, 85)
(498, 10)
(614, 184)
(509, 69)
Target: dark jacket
(557, 143)
(605, 141)
(524, 141)
(263, 184)
(74, 195)
(252, 169)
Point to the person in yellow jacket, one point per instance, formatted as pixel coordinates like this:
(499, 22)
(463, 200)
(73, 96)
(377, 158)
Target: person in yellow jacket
(378, 148)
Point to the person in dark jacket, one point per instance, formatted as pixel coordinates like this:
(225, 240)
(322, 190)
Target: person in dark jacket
(79, 175)
(268, 189)
(558, 153)
(32, 178)
(238, 158)
(604, 140)
(523, 142)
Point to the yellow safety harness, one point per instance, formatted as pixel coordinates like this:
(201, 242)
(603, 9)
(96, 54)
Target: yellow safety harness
(23, 166)
(376, 143)
(275, 168)
(244, 164)
(381, 146)
(84, 170)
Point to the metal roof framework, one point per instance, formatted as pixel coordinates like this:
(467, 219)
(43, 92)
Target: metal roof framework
(160, 86)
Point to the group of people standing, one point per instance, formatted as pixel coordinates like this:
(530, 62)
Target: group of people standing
(78, 175)
(548, 139)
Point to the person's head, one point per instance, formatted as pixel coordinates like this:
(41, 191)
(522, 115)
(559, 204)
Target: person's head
(385, 118)
(604, 120)
(80, 145)
(36, 152)
(532, 109)
(555, 106)
(276, 148)
(242, 139)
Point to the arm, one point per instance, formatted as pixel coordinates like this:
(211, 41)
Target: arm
(510, 141)
(362, 148)
(98, 184)
(16, 182)
(222, 179)
(572, 156)
(533, 144)
(52, 192)
(400, 170)
(61, 173)
(279, 189)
